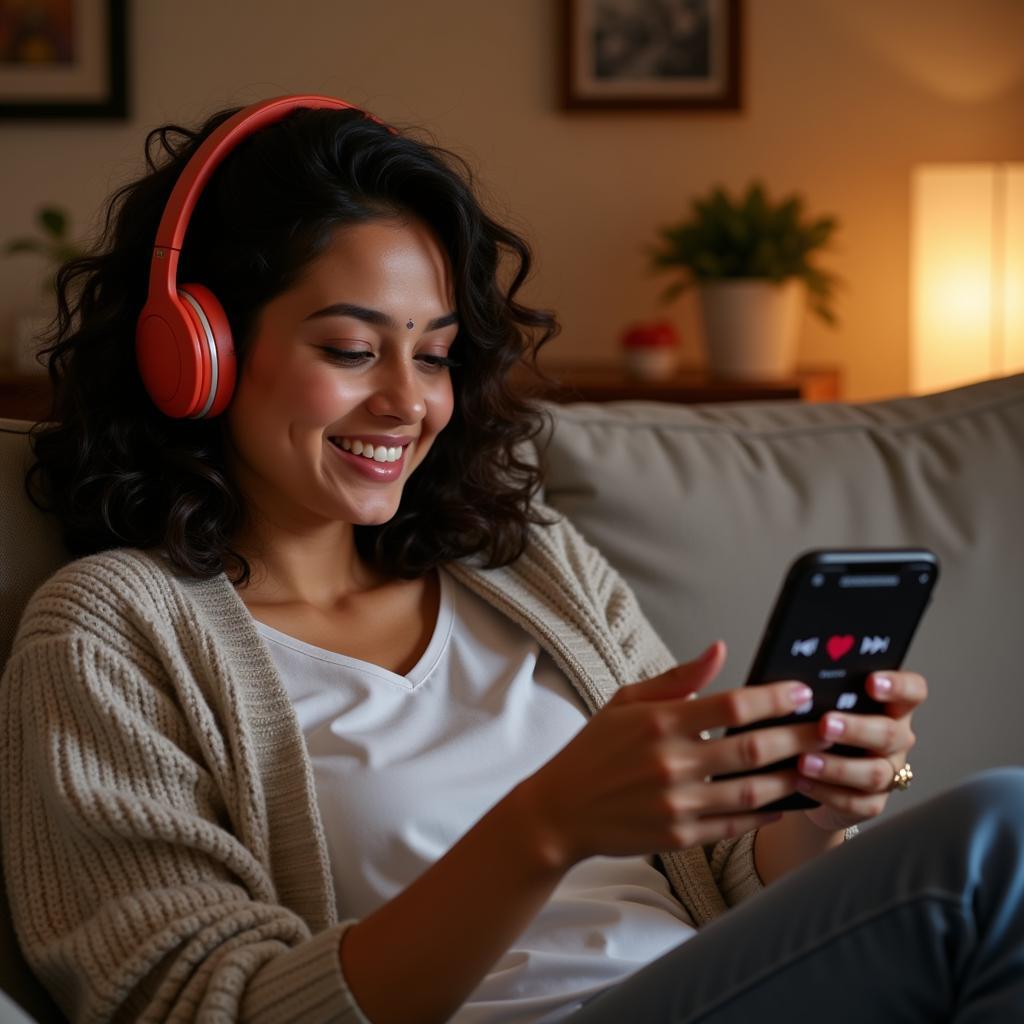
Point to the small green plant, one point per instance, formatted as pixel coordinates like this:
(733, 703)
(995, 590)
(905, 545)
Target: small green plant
(52, 243)
(752, 237)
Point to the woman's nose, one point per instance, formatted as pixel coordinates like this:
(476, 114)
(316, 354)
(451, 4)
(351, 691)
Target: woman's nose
(398, 393)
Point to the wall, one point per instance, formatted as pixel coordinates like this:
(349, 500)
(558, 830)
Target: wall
(842, 98)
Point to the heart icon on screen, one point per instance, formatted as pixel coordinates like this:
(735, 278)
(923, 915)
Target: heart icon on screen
(837, 646)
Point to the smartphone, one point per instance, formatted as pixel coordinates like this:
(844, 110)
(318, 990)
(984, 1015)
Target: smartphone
(840, 615)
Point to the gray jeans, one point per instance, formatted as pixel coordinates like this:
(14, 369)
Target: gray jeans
(919, 918)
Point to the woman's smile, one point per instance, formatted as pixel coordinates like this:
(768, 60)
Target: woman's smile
(377, 458)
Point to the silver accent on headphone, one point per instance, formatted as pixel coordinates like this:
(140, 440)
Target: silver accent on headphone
(214, 370)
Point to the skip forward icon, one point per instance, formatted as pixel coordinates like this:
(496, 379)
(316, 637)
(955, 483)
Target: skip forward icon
(874, 645)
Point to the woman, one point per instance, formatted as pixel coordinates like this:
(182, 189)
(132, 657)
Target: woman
(332, 719)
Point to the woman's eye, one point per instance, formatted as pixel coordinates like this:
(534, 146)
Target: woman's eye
(345, 356)
(439, 362)
(354, 357)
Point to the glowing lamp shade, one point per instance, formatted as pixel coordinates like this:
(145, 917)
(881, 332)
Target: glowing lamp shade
(967, 274)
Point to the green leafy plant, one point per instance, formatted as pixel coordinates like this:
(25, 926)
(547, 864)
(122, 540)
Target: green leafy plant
(724, 238)
(52, 243)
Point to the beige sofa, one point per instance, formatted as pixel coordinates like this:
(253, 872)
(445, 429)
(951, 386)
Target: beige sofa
(703, 507)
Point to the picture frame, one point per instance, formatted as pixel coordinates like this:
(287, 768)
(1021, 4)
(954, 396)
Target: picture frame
(63, 59)
(683, 55)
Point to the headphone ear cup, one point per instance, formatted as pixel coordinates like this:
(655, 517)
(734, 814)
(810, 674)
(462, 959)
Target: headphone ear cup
(218, 368)
(168, 350)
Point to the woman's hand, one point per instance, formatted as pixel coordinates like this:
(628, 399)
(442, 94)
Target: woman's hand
(636, 779)
(853, 789)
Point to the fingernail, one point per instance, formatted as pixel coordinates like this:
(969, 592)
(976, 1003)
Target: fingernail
(813, 765)
(800, 694)
(834, 727)
(883, 685)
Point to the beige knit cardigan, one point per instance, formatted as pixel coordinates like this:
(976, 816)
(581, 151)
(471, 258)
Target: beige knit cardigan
(162, 846)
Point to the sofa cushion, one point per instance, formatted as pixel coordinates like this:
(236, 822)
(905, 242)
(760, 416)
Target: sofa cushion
(702, 508)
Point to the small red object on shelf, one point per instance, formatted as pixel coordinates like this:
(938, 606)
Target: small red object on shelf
(651, 350)
(659, 334)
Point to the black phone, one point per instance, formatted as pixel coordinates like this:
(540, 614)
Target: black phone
(840, 615)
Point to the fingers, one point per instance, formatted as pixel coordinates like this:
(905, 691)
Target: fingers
(759, 747)
(745, 794)
(742, 706)
(902, 692)
(680, 681)
(854, 804)
(877, 733)
(866, 774)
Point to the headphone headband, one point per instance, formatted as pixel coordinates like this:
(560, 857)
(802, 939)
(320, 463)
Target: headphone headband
(183, 340)
(211, 153)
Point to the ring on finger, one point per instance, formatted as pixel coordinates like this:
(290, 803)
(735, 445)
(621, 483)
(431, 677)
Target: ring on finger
(901, 780)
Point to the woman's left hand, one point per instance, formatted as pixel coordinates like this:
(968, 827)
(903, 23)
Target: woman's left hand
(854, 789)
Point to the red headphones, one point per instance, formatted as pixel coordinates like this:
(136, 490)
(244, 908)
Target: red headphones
(182, 338)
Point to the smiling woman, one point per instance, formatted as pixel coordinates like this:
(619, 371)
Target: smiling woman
(333, 719)
(272, 237)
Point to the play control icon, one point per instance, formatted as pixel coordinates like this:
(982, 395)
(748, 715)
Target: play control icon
(846, 701)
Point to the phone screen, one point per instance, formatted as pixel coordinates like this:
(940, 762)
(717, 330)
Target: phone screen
(840, 616)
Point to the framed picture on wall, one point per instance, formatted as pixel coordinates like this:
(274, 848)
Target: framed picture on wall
(651, 54)
(63, 59)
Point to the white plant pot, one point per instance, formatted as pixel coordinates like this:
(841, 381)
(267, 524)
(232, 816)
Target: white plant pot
(751, 326)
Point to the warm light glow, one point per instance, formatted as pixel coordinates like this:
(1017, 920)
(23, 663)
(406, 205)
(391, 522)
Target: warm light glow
(967, 274)
(1013, 278)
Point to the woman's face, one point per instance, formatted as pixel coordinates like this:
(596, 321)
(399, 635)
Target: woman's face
(345, 384)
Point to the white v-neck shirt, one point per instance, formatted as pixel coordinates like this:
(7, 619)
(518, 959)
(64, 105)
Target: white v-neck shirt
(406, 765)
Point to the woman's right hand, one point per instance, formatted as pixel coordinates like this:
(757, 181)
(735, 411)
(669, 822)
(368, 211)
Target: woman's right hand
(635, 779)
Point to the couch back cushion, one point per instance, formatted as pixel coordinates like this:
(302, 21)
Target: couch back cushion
(702, 508)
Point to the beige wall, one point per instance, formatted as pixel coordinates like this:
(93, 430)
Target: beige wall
(842, 98)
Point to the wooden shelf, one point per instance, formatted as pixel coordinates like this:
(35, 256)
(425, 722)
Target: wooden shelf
(613, 384)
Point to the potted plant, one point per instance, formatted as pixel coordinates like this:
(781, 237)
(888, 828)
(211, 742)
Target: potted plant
(52, 243)
(750, 262)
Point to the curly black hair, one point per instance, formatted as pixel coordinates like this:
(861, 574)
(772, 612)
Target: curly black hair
(116, 472)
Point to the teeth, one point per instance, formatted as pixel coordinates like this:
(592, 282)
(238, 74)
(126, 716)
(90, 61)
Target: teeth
(378, 453)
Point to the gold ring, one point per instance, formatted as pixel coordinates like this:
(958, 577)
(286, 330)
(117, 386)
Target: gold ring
(902, 779)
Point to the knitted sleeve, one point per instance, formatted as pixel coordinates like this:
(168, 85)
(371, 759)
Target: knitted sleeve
(132, 892)
(733, 869)
(603, 591)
